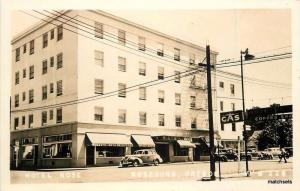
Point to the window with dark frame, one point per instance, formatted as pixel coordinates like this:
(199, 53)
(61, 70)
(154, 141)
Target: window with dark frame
(45, 40)
(31, 72)
(30, 121)
(177, 99)
(142, 69)
(161, 119)
(160, 73)
(24, 73)
(221, 106)
(143, 118)
(51, 61)
(23, 120)
(23, 96)
(122, 90)
(192, 59)
(16, 123)
(59, 88)
(161, 96)
(59, 61)
(193, 102)
(24, 48)
(31, 47)
(44, 92)
(31, 96)
(122, 116)
(222, 127)
(233, 127)
(160, 49)
(51, 88)
(17, 100)
(17, 54)
(194, 123)
(98, 86)
(17, 78)
(44, 118)
(45, 67)
(98, 116)
(121, 37)
(176, 54)
(59, 32)
(99, 58)
(221, 84)
(178, 121)
(98, 30)
(51, 114)
(232, 89)
(122, 64)
(142, 45)
(177, 77)
(59, 116)
(52, 34)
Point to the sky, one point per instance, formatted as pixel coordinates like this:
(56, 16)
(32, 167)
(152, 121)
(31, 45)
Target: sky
(262, 31)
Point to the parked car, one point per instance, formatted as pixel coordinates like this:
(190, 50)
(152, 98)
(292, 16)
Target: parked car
(275, 151)
(141, 157)
(225, 155)
(265, 155)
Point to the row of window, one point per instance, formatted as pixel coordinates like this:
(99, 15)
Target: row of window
(222, 106)
(99, 33)
(99, 87)
(59, 64)
(99, 116)
(44, 118)
(222, 85)
(59, 92)
(44, 42)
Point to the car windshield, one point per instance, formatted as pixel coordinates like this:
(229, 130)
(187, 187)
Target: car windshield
(138, 152)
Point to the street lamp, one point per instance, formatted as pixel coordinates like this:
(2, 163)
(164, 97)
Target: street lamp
(247, 57)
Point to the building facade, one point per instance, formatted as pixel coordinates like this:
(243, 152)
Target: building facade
(89, 87)
(229, 96)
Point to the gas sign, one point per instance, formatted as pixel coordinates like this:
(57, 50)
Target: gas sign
(231, 117)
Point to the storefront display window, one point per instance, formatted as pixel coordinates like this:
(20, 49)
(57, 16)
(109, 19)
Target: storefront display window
(180, 151)
(57, 146)
(110, 151)
(27, 152)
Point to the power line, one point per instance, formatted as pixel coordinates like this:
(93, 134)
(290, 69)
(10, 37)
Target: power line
(109, 94)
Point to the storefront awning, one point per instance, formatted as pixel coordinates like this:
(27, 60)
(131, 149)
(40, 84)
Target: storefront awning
(185, 144)
(143, 140)
(99, 139)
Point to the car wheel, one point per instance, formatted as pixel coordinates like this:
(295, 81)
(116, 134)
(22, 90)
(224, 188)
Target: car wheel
(136, 163)
(156, 162)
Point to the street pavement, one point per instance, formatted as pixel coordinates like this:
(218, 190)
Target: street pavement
(193, 171)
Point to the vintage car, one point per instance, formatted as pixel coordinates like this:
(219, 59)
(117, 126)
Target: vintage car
(141, 157)
(275, 151)
(265, 155)
(225, 155)
(289, 151)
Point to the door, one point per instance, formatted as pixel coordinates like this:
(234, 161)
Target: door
(35, 155)
(163, 151)
(90, 155)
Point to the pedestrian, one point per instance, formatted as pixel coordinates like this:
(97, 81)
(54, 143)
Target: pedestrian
(282, 155)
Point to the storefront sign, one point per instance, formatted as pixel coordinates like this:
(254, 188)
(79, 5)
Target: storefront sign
(274, 117)
(231, 117)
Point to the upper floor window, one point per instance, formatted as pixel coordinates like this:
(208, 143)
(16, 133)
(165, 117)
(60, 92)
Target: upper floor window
(232, 88)
(59, 88)
(59, 116)
(233, 127)
(51, 61)
(17, 54)
(193, 101)
(51, 88)
(221, 84)
(23, 120)
(142, 43)
(121, 37)
(44, 118)
(51, 114)
(59, 61)
(142, 92)
(30, 121)
(99, 58)
(192, 59)
(161, 73)
(143, 118)
(221, 106)
(122, 116)
(45, 67)
(17, 78)
(23, 96)
(98, 30)
(161, 96)
(194, 123)
(177, 77)
(177, 54)
(233, 106)
(16, 123)
(52, 34)
(24, 73)
(44, 92)
(45, 40)
(59, 32)
(122, 90)
(31, 96)
(24, 48)
(98, 86)
(17, 100)
(122, 64)
(161, 119)
(160, 49)
(31, 47)
(98, 116)
(178, 121)
(142, 68)
(31, 72)
(177, 99)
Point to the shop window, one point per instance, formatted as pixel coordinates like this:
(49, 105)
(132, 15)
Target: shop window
(180, 151)
(57, 150)
(27, 152)
(107, 151)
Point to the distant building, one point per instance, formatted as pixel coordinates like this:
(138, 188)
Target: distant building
(71, 106)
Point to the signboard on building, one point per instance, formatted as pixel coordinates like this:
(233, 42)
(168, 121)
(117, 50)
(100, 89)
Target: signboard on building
(231, 117)
(270, 113)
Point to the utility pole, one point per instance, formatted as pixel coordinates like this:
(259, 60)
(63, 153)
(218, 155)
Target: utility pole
(210, 116)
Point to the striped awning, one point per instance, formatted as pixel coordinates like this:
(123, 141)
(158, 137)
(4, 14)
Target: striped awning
(106, 139)
(143, 141)
(185, 144)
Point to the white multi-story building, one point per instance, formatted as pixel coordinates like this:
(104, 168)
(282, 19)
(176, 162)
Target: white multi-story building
(80, 92)
(229, 96)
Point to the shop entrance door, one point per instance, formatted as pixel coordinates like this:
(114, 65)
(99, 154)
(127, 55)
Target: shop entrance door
(163, 150)
(89, 155)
